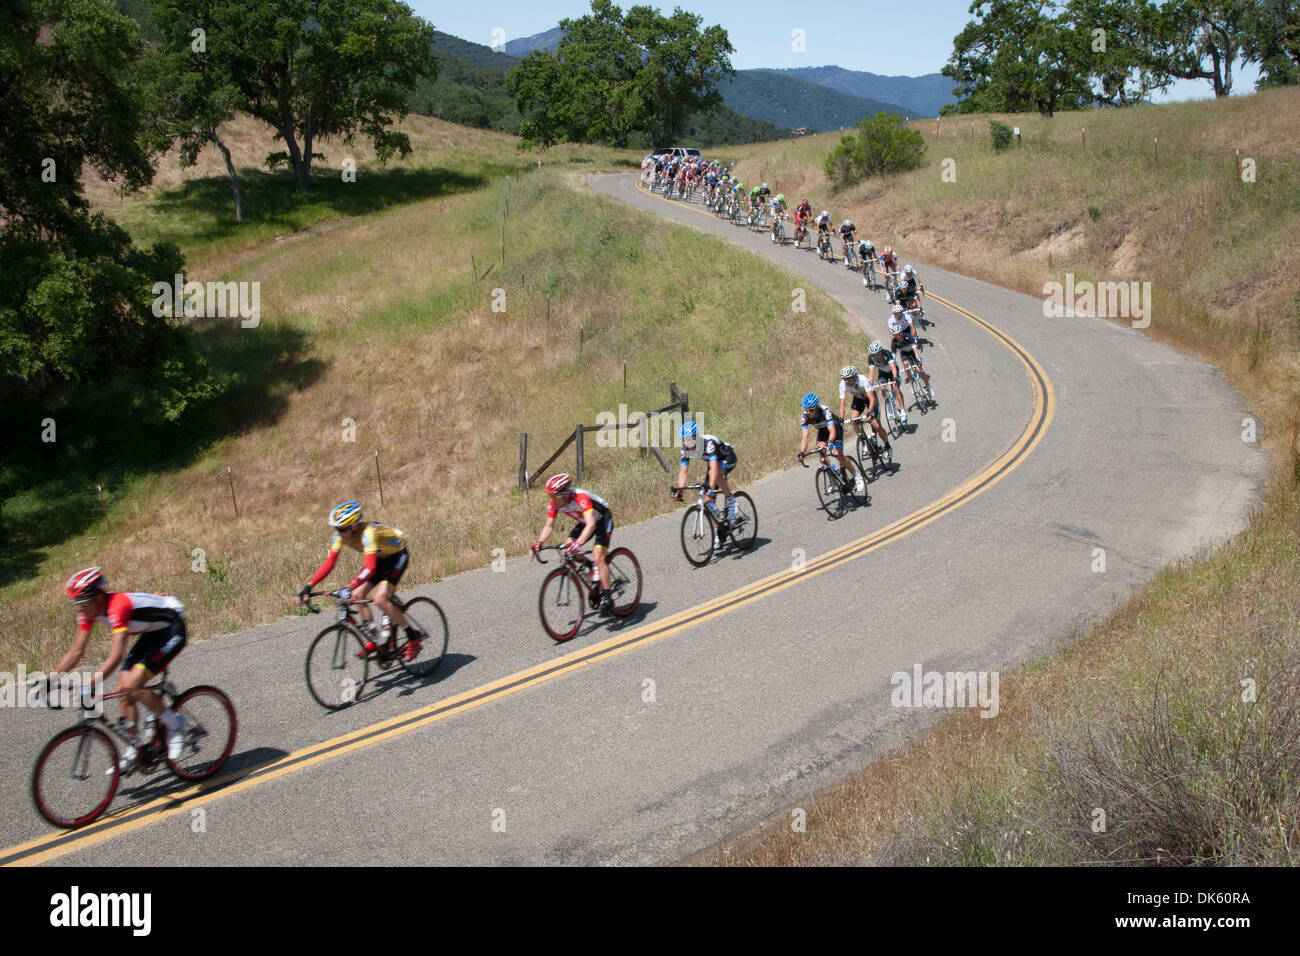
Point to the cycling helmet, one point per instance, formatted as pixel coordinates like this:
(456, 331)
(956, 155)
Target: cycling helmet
(876, 348)
(863, 245)
(897, 309)
(908, 270)
(690, 429)
(889, 250)
(848, 371)
(811, 400)
(764, 186)
(558, 484)
(868, 243)
(824, 215)
(896, 324)
(346, 515)
(780, 197)
(84, 585)
(847, 222)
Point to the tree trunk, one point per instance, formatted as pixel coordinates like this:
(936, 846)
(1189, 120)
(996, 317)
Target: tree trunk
(234, 178)
(301, 162)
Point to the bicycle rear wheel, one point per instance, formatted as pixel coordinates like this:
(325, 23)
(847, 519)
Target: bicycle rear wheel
(868, 458)
(744, 530)
(895, 426)
(560, 604)
(426, 617)
(698, 532)
(337, 667)
(76, 777)
(625, 581)
(918, 392)
(210, 736)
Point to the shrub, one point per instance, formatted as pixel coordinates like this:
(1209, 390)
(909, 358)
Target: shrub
(883, 144)
(1001, 135)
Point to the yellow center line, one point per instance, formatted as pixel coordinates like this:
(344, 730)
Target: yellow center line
(50, 846)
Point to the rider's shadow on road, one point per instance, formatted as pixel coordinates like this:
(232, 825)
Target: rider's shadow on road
(403, 684)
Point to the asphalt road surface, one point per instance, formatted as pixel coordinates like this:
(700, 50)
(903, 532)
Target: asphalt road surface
(740, 687)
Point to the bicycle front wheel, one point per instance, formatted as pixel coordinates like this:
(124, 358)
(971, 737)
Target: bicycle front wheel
(866, 457)
(210, 736)
(744, 530)
(337, 667)
(697, 535)
(425, 616)
(76, 777)
(625, 581)
(560, 605)
(895, 426)
(828, 492)
(918, 393)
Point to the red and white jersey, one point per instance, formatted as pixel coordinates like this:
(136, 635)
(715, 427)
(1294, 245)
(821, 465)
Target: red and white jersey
(580, 502)
(135, 613)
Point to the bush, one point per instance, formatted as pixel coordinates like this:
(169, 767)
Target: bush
(883, 145)
(1001, 135)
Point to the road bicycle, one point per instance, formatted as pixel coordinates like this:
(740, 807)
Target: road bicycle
(891, 285)
(917, 314)
(835, 489)
(922, 394)
(338, 664)
(800, 233)
(870, 450)
(824, 244)
(893, 417)
(566, 591)
(869, 274)
(755, 217)
(850, 253)
(77, 773)
(706, 528)
(778, 230)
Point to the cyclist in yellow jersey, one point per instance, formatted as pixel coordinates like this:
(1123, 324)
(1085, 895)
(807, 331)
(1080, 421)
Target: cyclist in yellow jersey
(386, 559)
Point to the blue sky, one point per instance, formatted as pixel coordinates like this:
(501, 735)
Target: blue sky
(907, 38)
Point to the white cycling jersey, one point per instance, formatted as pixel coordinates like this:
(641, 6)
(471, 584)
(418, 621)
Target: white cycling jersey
(857, 388)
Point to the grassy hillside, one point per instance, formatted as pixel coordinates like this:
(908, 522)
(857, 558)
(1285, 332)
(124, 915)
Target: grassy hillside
(1144, 715)
(375, 315)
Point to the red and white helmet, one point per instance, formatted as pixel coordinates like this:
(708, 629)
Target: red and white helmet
(84, 585)
(558, 484)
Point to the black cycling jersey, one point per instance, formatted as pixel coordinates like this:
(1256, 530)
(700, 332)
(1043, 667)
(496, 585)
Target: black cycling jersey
(880, 362)
(904, 342)
(820, 417)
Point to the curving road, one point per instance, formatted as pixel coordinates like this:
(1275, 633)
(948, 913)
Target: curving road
(739, 687)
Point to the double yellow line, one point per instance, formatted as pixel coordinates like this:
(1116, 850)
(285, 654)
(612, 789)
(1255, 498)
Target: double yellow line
(48, 847)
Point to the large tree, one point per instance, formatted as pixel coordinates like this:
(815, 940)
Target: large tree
(1273, 41)
(1198, 40)
(614, 75)
(307, 68)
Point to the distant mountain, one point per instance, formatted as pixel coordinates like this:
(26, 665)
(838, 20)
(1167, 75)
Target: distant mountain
(538, 41)
(475, 54)
(789, 102)
(920, 96)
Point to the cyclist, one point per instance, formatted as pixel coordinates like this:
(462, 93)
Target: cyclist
(594, 520)
(847, 240)
(903, 343)
(867, 256)
(909, 286)
(755, 203)
(386, 560)
(157, 624)
(882, 367)
(764, 193)
(852, 383)
(830, 434)
(888, 265)
(802, 216)
(823, 229)
(776, 210)
(720, 459)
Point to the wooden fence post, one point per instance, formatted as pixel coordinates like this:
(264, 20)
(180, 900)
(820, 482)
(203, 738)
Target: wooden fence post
(577, 437)
(523, 460)
(229, 477)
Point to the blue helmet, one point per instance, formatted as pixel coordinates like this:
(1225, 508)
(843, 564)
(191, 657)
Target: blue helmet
(690, 429)
(811, 400)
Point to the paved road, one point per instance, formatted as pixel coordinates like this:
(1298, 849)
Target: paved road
(739, 687)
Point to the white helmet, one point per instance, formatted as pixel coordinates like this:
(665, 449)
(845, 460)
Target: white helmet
(848, 371)
(846, 222)
(824, 215)
(896, 324)
(897, 309)
(908, 270)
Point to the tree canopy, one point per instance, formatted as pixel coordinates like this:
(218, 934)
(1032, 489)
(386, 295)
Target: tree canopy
(614, 75)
